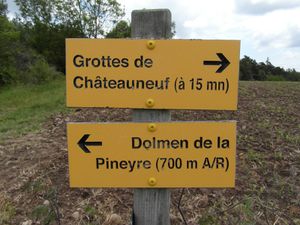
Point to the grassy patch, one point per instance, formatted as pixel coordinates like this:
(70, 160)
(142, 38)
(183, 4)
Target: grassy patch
(24, 108)
(7, 210)
(43, 214)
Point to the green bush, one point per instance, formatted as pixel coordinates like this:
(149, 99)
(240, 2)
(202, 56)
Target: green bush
(9, 36)
(7, 75)
(20, 63)
(32, 70)
(293, 76)
(39, 72)
(43, 214)
(275, 78)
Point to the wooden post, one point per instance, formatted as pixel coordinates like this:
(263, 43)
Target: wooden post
(151, 206)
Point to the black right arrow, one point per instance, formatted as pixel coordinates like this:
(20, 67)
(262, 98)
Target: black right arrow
(82, 143)
(224, 63)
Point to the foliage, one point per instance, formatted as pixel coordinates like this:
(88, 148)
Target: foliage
(44, 214)
(251, 70)
(18, 62)
(94, 17)
(49, 41)
(30, 42)
(46, 23)
(3, 8)
(40, 72)
(91, 17)
(33, 11)
(8, 38)
(275, 78)
(247, 68)
(173, 29)
(121, 30)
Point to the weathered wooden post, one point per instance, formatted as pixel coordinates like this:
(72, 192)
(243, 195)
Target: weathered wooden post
(151, 206)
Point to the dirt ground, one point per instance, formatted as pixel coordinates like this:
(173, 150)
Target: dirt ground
(34, 183)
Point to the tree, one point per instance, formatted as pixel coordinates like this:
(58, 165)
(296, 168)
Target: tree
(93, 17)
(260, 76)
(18, 62)
(3, 8)
(173, 29)
(251, 70)
(33, 11)
(46, 23)
(9, 37)
(248, 67)
(121, 30)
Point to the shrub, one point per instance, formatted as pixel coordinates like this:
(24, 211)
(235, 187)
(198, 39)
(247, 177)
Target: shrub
(275, 78)
(39, 72)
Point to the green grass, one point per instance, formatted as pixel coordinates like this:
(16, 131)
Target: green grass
(23, 109)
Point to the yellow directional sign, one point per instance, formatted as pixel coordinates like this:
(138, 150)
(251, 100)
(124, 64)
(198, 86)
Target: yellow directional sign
(175, 154)
(157, 74)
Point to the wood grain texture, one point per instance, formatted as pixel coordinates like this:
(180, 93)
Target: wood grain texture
(151, 206)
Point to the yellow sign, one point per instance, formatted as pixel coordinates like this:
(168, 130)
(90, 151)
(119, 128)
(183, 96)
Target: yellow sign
(143, 155)
(157, 74)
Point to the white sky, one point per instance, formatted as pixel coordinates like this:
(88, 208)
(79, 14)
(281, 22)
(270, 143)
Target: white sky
(266, 28)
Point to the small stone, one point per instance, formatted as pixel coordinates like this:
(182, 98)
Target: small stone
(28, 222)
(46, 202)
(76, 215)
(8, 163)
(203, 201)
(175, 219)
(113, 219)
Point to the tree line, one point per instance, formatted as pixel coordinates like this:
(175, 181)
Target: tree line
(252, 70)
(32, 45)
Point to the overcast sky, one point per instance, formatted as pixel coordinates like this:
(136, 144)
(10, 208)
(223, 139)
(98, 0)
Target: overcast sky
(266, 28)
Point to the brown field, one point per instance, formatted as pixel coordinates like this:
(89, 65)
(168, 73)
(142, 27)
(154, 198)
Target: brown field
(34, 169)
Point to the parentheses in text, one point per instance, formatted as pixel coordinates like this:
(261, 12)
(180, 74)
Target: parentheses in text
(227, 164)
(157, 162)
(175, 84)
(227, 86)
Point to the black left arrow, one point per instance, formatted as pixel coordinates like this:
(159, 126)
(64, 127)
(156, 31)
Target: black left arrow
(223, 63)
(83, 143)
